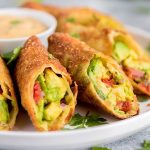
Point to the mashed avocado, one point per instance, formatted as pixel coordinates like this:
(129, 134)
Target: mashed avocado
(121, 51)
(55, 88)
(4, 112)
(129, 59)
(114, 88)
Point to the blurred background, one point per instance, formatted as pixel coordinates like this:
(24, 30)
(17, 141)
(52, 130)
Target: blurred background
(131, 12)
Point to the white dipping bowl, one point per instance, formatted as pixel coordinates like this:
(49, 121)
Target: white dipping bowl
(8, 44)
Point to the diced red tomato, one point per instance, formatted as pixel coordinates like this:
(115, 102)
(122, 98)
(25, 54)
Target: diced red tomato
(109, 82)
(124, 106)
(144, 86)
(37, 92)
(134, 73)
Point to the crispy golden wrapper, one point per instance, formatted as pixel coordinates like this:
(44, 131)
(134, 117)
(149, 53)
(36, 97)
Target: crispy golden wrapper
(104, 41)
(76, 57)
(78, 16)
(7, 91)
(33, 60)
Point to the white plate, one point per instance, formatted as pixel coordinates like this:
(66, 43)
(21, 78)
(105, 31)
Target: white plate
(25, 137)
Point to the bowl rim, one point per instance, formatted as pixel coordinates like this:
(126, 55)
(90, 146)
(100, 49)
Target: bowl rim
(49, 29)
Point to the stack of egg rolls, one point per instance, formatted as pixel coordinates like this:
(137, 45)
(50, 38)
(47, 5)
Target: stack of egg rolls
(8, 102)
(46, 89)
(101, 81)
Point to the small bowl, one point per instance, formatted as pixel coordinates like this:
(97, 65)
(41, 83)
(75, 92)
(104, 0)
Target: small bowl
(8, 44)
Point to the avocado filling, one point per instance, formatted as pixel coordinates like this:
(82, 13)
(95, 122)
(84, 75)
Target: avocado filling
(110, 85)
(52, 94)
(5, 106)
(137, 70)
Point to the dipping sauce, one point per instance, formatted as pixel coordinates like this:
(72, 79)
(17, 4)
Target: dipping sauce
(19, 26)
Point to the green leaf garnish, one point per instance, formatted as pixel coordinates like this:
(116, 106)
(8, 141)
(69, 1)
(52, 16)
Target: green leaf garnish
(146, 145)
(75, 35)
(15, 22)
(88, 120)
(70, 19)
(100, 148)
(11, 56)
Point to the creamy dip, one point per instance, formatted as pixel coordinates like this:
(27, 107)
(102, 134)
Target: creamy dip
(17, 26)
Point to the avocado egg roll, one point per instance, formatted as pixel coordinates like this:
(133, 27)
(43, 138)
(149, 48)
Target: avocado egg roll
(8, 102)
(78, 16)
(101, 81)
(134, 60)
(121, 47)
(46, 89)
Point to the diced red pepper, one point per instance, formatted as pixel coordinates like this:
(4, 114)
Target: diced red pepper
(109, 82)
(145, 86)
(134, 73)
(124, 106)
(37, 92)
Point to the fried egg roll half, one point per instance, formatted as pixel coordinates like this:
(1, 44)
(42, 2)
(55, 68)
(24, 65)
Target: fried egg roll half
(101, 81)
(133, 59)
(78, 15)
(8, 102)
(121, 47)
(45, 87)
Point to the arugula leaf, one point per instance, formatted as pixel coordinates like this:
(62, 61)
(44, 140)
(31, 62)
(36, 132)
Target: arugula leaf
(146, 145)
(79, 121)
(70, 19)
(11, 56)
(100, 148)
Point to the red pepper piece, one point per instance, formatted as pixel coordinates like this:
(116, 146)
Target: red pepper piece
(124, 106)
(37, 92)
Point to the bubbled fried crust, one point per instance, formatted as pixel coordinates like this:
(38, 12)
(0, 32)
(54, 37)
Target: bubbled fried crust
(5, 79)
(32, 61)
(76, 56)
(80, 14)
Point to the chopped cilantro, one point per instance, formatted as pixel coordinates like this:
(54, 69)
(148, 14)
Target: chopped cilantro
(75, 35)
(70, 19)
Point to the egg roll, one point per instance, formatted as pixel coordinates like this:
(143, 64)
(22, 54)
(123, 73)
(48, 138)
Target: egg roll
(8, 101)
(101, 81)
(46, 89)
(78, 16)
(134, 60)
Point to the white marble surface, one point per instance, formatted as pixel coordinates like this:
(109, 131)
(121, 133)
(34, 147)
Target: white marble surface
(132, 12)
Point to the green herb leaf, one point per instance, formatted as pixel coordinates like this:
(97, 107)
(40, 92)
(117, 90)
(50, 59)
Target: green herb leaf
(75, 35)
(70, 20)
(88, 120)
(10, 57)
(146, 145)
(100, 148)
(15, 22)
